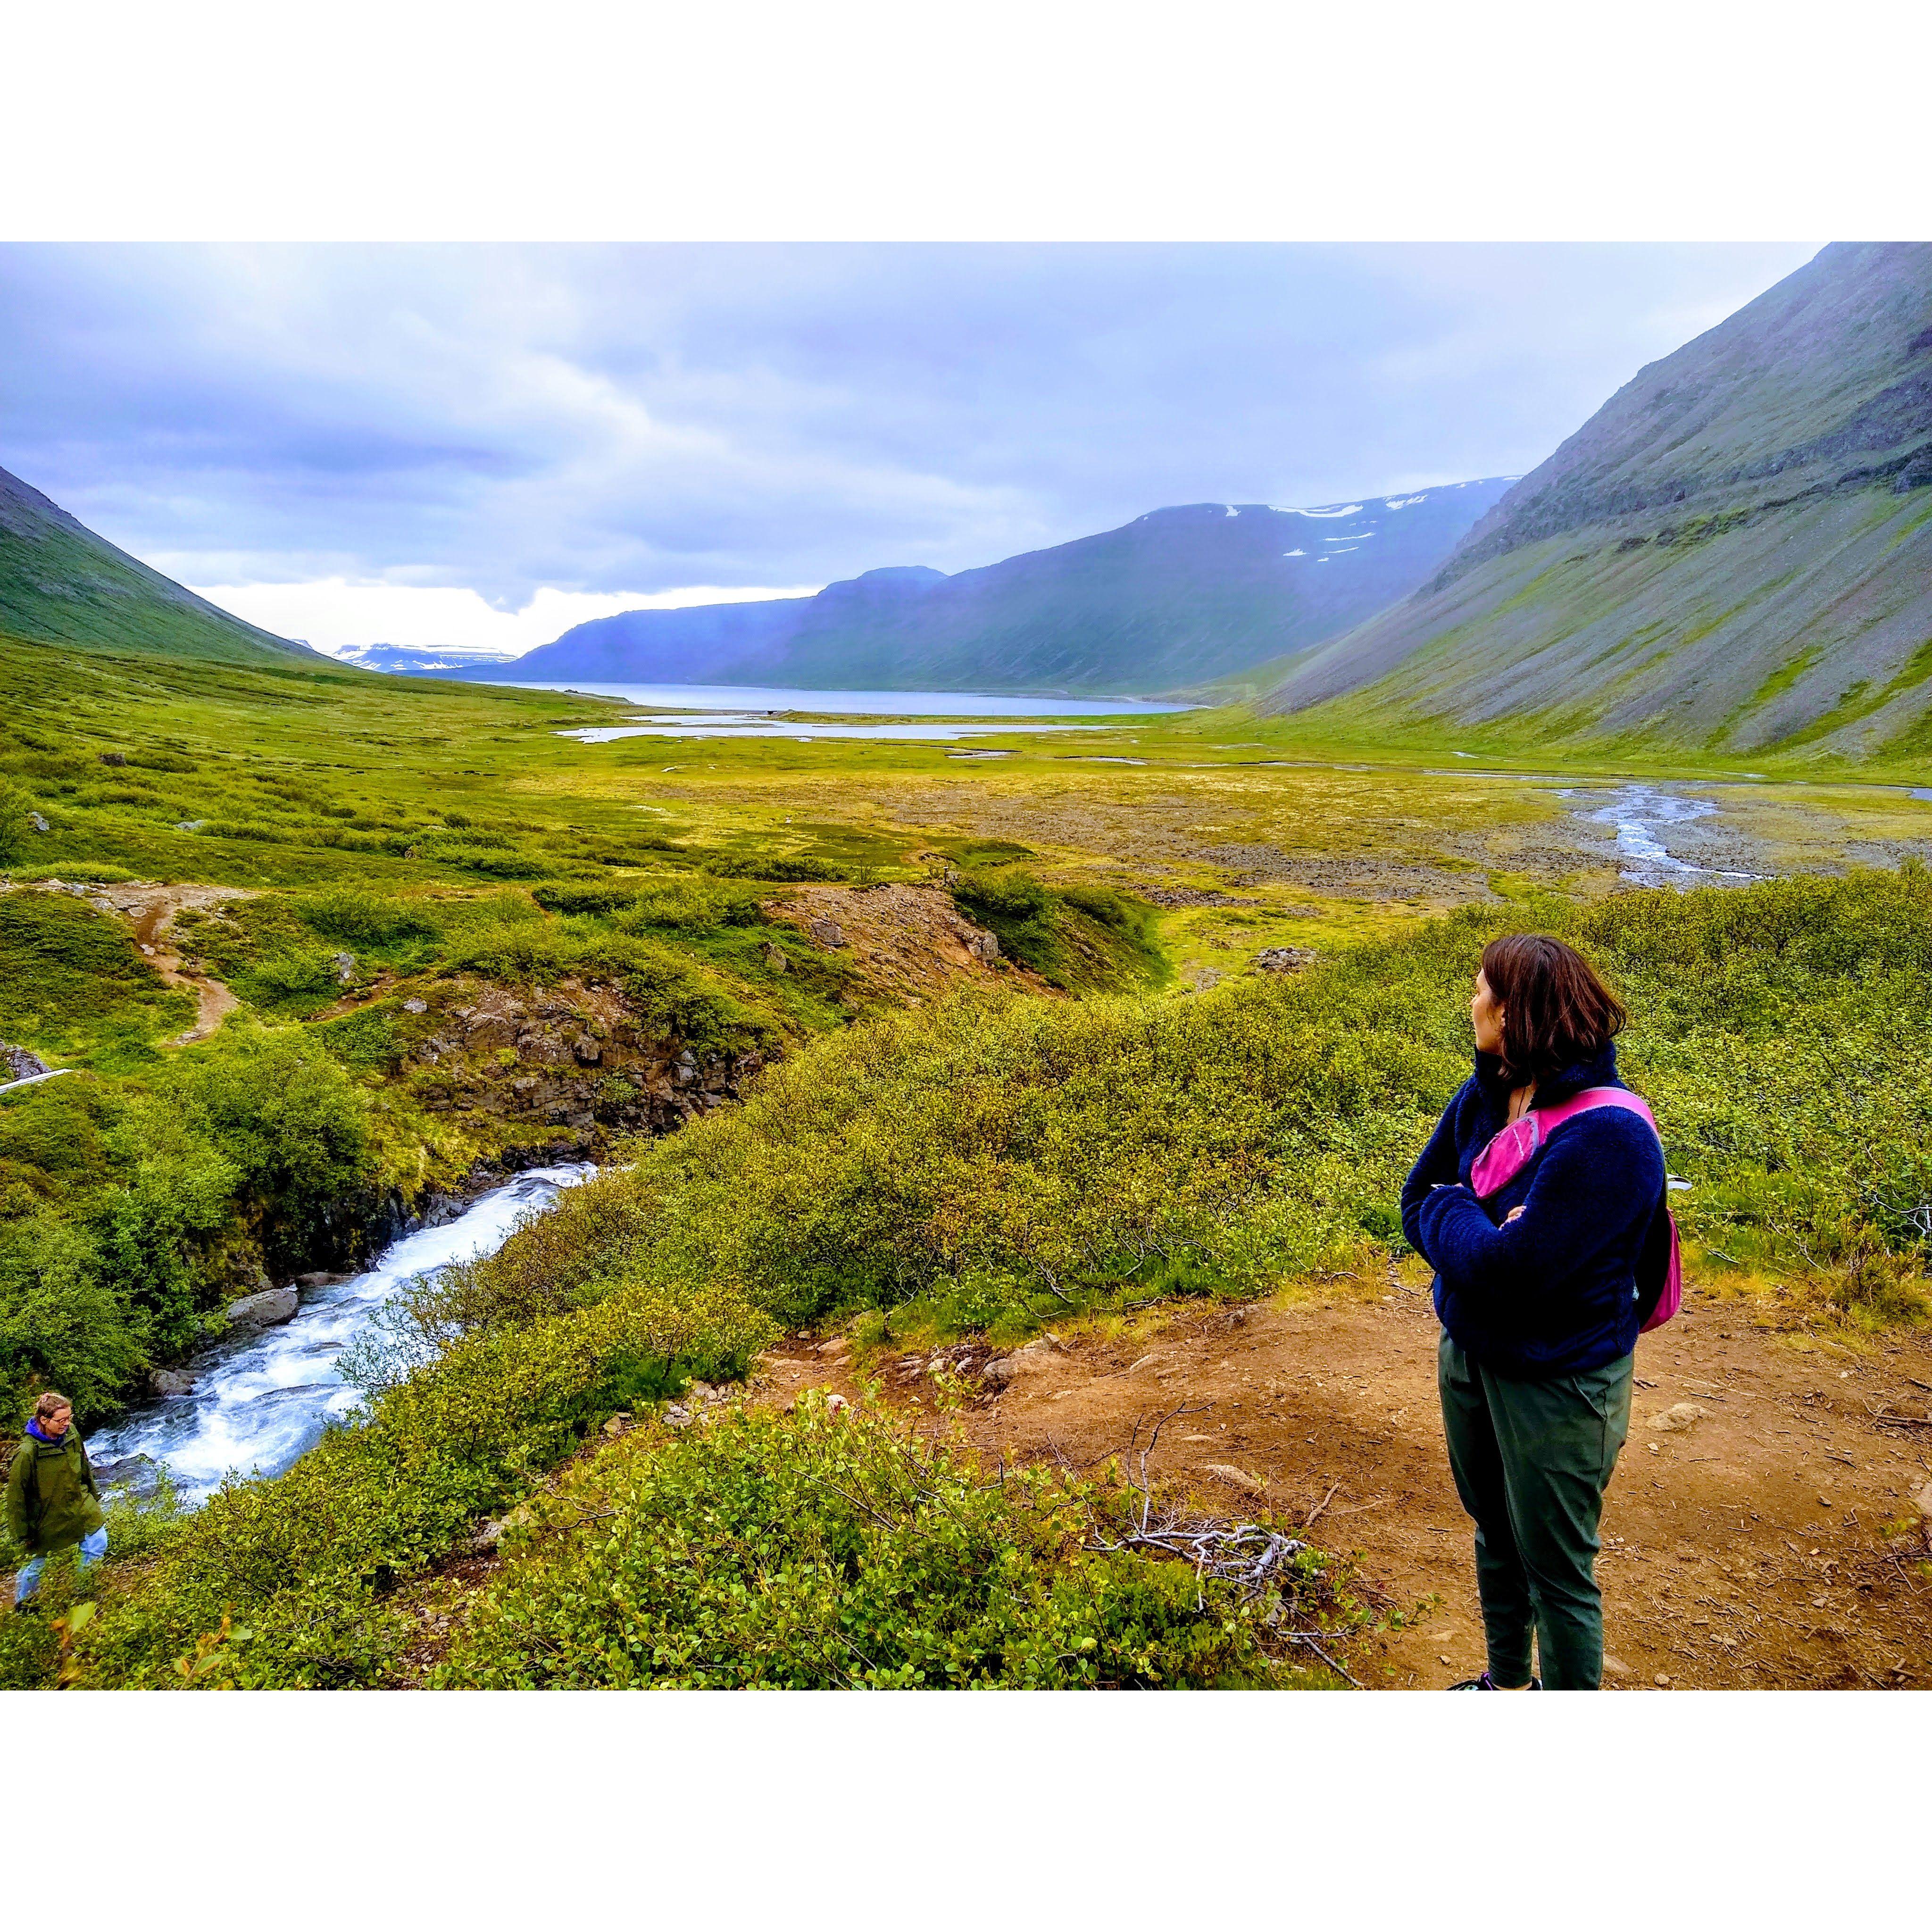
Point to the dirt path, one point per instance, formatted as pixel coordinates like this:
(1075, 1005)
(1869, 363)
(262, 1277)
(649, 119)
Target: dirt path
(1742, 1550)
(150, 911)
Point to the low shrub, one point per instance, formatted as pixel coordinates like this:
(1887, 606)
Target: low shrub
(587, 896)
(294, 1128)
(841, 1550)
(1077, 937)
(355, 916)
(689, 903)
(768, 865)
(1015, 1157)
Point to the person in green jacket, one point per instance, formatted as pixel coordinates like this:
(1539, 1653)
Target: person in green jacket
(52, 1501)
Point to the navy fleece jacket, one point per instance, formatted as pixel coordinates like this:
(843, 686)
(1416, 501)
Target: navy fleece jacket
(1554, 1292)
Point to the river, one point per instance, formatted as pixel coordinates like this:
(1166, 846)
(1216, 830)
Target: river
(260, 1400)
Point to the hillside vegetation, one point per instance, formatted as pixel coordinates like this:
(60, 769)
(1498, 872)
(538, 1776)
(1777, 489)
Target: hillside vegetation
(1733, 554)
(60, 584)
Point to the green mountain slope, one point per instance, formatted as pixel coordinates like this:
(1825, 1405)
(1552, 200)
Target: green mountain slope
(1176, 598)
(1735, 552)
(60, 584)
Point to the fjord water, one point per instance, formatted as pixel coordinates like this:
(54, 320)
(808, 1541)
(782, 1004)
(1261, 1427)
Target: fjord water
(737, 697)
(777, 711)
(260, 1401)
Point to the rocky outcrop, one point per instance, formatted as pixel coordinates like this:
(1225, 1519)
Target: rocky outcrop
(17, 1063)
(574, 1064)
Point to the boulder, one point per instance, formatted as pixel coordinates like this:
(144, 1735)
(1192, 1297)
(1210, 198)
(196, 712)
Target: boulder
(824, 931)
(19, 1064)
(491, 1534)
(1239, 1479)
(170, 1381)
(415, 1006)
(1679, 1415)
(320, 1278)
(39, 823)
(344, 963)
(1003, 1369)
(1283, 958)
(273, 1305)
(139, 1473)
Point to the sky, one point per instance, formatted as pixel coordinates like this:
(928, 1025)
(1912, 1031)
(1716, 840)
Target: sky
(471, 447)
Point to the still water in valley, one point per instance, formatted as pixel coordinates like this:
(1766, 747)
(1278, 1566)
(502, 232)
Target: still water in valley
(777, 711)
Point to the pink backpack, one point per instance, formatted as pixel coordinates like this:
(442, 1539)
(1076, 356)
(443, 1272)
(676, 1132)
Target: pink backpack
(1516, 1145)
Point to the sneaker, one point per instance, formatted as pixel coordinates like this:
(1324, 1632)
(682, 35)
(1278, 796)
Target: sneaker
(1485, 1683)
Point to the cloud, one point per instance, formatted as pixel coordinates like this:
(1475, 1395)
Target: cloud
(511, 423)
(335, 616)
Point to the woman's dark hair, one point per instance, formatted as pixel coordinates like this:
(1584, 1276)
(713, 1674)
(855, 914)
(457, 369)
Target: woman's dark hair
(1556, 1010)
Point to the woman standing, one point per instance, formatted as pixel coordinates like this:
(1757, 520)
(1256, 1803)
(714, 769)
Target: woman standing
(1537, 1288)
(52, 1500)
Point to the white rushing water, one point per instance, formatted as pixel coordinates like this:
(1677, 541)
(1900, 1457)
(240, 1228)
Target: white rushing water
(259, 1402)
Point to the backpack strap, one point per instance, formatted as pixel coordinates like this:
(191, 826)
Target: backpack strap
(1588, 1100)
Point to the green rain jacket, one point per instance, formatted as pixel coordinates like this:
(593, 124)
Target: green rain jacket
(52, 1501)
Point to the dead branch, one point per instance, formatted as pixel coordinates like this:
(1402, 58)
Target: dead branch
(1309, 1523)
(1308, 1638)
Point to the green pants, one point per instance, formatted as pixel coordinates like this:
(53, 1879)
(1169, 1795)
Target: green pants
(1530, 1460)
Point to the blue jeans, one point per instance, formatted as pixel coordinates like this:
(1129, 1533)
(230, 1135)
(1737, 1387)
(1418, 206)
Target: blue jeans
(92, 1550)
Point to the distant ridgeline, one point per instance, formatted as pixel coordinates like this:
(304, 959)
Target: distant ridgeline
(1735, 552)
(403, 660)
(1176, 598)
(62, 584)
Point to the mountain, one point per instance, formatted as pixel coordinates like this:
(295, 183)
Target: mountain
(1177, 597)
(400, 661)
(62, 584)
(1734, 551)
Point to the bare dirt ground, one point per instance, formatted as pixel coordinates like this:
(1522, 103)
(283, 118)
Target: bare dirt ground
(150, 911)
(1743, 1537)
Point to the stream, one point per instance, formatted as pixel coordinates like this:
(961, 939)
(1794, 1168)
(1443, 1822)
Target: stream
(262, 1398)
(1641, 819)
